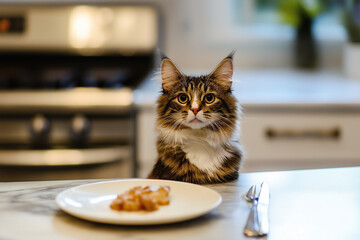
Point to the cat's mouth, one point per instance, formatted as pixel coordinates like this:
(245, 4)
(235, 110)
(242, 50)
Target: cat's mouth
(196, 120)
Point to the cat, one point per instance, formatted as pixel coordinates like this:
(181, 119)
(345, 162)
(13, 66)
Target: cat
(196, 120)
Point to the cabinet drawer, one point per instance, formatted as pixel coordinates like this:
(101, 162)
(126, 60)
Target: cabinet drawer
(301, 136)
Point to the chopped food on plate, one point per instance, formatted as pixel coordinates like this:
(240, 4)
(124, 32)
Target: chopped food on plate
(139, 198)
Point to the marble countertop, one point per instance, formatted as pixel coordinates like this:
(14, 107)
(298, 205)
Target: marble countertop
(306, 204)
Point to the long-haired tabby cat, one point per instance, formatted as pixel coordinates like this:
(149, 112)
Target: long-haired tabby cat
(197, 117)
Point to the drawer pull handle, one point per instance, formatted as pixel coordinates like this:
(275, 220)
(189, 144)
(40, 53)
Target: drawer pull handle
(331, 133)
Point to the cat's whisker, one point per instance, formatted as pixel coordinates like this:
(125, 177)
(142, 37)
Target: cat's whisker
(218, 127)
(170, 130)
(229, 125)
(228, 122)
(224, 117)
(234, 116)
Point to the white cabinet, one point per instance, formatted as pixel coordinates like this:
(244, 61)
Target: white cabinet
(284, 140)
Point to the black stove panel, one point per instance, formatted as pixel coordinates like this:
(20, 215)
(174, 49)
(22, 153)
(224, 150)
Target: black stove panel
(57, 71)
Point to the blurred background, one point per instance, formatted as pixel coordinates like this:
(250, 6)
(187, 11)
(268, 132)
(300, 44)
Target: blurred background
(77, 99)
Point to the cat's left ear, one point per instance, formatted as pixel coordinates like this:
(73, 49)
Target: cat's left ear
(223, 73)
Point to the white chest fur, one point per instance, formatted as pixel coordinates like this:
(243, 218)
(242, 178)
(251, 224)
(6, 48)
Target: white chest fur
(204, 156)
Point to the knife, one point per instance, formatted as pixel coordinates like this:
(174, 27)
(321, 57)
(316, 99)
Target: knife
(257, 224)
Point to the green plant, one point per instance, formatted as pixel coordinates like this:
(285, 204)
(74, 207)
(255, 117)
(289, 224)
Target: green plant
(293, 11)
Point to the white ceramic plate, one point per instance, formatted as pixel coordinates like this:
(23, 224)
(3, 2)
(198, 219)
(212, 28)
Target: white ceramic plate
(92, 202)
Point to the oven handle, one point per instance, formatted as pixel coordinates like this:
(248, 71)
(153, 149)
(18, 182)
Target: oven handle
(63, 157)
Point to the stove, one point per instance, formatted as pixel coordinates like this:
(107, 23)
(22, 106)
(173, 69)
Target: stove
(67, 74)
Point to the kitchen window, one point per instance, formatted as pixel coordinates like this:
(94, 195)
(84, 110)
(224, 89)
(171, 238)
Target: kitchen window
(261, 21)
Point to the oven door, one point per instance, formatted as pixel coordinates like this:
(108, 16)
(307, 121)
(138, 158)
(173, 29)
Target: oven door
(67, 146)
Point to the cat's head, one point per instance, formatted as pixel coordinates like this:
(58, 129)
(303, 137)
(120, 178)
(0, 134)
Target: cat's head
(203, 102)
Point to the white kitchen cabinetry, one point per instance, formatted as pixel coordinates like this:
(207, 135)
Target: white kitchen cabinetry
(282, 140)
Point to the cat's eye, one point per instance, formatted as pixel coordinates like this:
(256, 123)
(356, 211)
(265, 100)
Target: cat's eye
(209, 98)
(183, 98)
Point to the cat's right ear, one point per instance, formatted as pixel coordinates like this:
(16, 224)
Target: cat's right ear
(170, 74)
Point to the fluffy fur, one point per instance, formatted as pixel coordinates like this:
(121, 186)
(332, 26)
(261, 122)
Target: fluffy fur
(197, 117)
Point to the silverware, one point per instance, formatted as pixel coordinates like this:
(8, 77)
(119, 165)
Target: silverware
(257, 224)
(252, 225)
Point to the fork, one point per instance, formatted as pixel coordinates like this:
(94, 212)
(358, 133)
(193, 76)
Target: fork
(252, 227)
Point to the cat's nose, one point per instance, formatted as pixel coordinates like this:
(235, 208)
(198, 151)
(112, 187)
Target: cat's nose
(195, 110)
